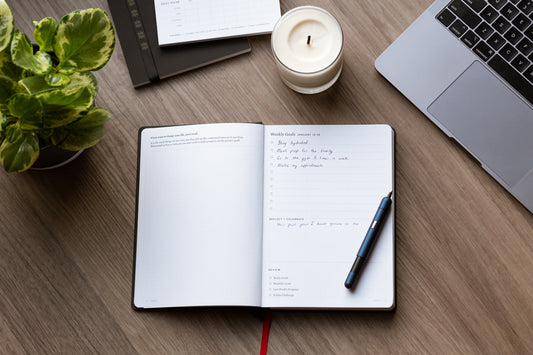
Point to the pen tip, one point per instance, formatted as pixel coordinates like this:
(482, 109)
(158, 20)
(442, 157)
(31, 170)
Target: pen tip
(389, 195)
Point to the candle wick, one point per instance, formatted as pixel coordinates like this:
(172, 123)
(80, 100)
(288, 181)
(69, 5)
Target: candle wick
(308, 40)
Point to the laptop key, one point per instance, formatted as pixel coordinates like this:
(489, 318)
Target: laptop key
(470, 39)
(483, 51)
(458, 28)
(446, 17)
(508, 52)
(513, 35)
(520, 63)
(489, 14)
(521, 22)
(501, 25)
(509, 11)
(484, 30)
(526, 6)
(497, 3)
(476, 5)
(465, 13)
(496, 41)
(529, 33)
(509, 74)
(525, 46)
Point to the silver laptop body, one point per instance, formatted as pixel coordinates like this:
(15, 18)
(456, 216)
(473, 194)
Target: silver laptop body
(446, 65)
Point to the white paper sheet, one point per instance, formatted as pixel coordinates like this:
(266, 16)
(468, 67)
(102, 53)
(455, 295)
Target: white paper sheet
(323, 185)
(182, 21)
(199, 216)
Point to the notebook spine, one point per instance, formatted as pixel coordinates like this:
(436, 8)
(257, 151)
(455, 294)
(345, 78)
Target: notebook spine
(133, 40)
(147, 57)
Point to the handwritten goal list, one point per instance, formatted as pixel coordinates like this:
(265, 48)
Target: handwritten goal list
(320, 188)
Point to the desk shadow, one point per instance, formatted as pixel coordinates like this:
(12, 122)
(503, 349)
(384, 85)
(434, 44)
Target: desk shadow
(340, 315)
(231, 313)
(340, 104)
(177, 313)
(63, 183)
(246, 325)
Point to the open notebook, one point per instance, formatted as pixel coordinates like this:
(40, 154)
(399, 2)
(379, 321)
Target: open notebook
(264, 216)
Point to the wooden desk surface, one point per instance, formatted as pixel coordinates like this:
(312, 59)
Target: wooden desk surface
(464, 245)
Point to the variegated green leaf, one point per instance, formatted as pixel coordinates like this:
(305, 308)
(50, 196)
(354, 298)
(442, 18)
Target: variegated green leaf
(3, 125)
(7, 68)
(61, 107)
(28, 109)
(13, 132)
(85, 79)
(6, 25)
(8, 88)
(57, 79)
(35, 84)
(22, 55)
(38, 84)
(44, 34)
(83, 133)
(19, 154)
(68, 67)
(85, 37)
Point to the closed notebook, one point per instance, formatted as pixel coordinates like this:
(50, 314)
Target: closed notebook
(147, 62)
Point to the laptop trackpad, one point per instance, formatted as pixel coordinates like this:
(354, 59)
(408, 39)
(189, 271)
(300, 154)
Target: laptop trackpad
(491, 121)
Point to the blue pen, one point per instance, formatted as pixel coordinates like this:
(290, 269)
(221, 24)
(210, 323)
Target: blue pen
(368, 242)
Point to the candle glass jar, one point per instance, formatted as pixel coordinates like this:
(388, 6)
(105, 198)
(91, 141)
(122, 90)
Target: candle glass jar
(307, 43)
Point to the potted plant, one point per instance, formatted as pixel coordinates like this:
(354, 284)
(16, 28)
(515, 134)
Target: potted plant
(47, 94)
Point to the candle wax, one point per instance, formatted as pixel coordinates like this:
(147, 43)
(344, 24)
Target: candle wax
(307, 43)
(291, 36)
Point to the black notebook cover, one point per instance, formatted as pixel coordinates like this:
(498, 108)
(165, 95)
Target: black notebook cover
(147, 62)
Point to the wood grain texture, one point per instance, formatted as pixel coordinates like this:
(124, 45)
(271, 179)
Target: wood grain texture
(464, 245)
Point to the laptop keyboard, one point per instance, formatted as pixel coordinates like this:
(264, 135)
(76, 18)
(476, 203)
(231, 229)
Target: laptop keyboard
(499, 32)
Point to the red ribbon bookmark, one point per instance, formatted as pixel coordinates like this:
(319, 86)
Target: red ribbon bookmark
(264, 337)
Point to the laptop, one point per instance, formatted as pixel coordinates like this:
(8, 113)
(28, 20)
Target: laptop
(468, 66)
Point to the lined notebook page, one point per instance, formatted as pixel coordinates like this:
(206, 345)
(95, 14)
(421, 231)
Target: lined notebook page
(198, 238)
(322, 187)
(182, 21)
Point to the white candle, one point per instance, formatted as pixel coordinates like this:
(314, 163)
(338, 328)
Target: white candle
(307, 43)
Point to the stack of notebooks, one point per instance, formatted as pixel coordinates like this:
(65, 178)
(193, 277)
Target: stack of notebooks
(162, 38)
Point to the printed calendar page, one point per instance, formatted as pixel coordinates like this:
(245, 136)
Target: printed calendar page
(183, 21)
